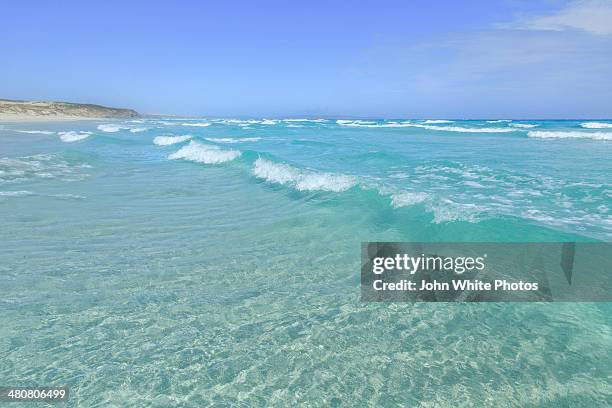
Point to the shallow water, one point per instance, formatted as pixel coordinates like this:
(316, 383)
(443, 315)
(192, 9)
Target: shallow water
(141, 267)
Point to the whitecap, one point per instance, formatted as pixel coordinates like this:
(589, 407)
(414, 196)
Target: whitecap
(110, 128)
(36, 132)
(499, 121)
(201, 153)
(73, 136)
(138, 130)
(570, 135)
(301, 180)
(523, 125)
(232, 140)
(461, 129)
(596, 125)
(170, 140)
(19, 193)
(197, 124)
(434, 121)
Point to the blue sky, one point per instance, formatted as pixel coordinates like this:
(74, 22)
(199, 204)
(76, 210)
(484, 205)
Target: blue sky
(451, 59)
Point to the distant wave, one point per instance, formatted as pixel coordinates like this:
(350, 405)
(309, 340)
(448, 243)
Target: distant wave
(596, 125)
(170, 140)
(201, 153)
(197, 124)
(370, 124)
(38, 132)
(301, 180)
(523, 125)
(305, 120)
(232, 140)
(570, 135)
(110, 128)
(462, 129)
(19, 193)
(269, 122)
(499, 121)
(138, 130)
(73, 136)
(434, 121)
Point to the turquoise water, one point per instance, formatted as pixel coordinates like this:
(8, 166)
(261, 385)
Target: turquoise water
(192, 262)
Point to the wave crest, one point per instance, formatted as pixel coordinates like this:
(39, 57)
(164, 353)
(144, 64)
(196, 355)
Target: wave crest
(596, 125)
(170, 140)
(570, 135)
(284, 174)
(73, 136)
(207, 154)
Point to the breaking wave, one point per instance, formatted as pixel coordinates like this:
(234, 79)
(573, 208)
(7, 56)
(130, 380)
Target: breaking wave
(197, 124)
(36, 132)
(523, 125)
(232, 140)
(170, 140)
(462, 129)
(73, 136)
(207, 154)
(434, 121)
(110, 128)
(301, 180)
(596, 125)
(570, 135)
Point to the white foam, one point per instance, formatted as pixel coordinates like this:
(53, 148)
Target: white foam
(268, 122)
(170, 140)
(110, 128)
(305, 120)
(232, 140)
(596, 125)
(73, 136)
(406, 199)
(570, 135)
(499, 121)
(201, 153)
(138, 130)
(434, 121)
(462, 129)
(449, 211)
(284, 174)
(197, 124)
(15, 193)
(36, 132)
(523, 125)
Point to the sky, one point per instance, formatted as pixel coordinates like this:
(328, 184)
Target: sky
(387, 59)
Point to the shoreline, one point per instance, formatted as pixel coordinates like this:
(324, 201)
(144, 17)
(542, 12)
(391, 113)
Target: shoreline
(24, 118)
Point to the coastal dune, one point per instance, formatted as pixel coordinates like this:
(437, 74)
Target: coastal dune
(17, 111)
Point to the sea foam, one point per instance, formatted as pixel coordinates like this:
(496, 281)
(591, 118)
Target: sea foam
(232, 140)
(36, 132)
(73, 136)
(196, 124)
(462, 129)
(596, 125)
(110, 128)
(301, 180)
(570, 135)
(202, 153)
(170, 140)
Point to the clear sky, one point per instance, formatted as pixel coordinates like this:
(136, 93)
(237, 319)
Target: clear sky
(403, 59)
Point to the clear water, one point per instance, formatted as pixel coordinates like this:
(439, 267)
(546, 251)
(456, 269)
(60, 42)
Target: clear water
(141, 269)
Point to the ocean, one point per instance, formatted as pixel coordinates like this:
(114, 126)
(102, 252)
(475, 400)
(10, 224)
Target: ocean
(193, 262)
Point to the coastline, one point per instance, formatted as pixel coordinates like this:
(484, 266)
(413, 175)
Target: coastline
(26, 118)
